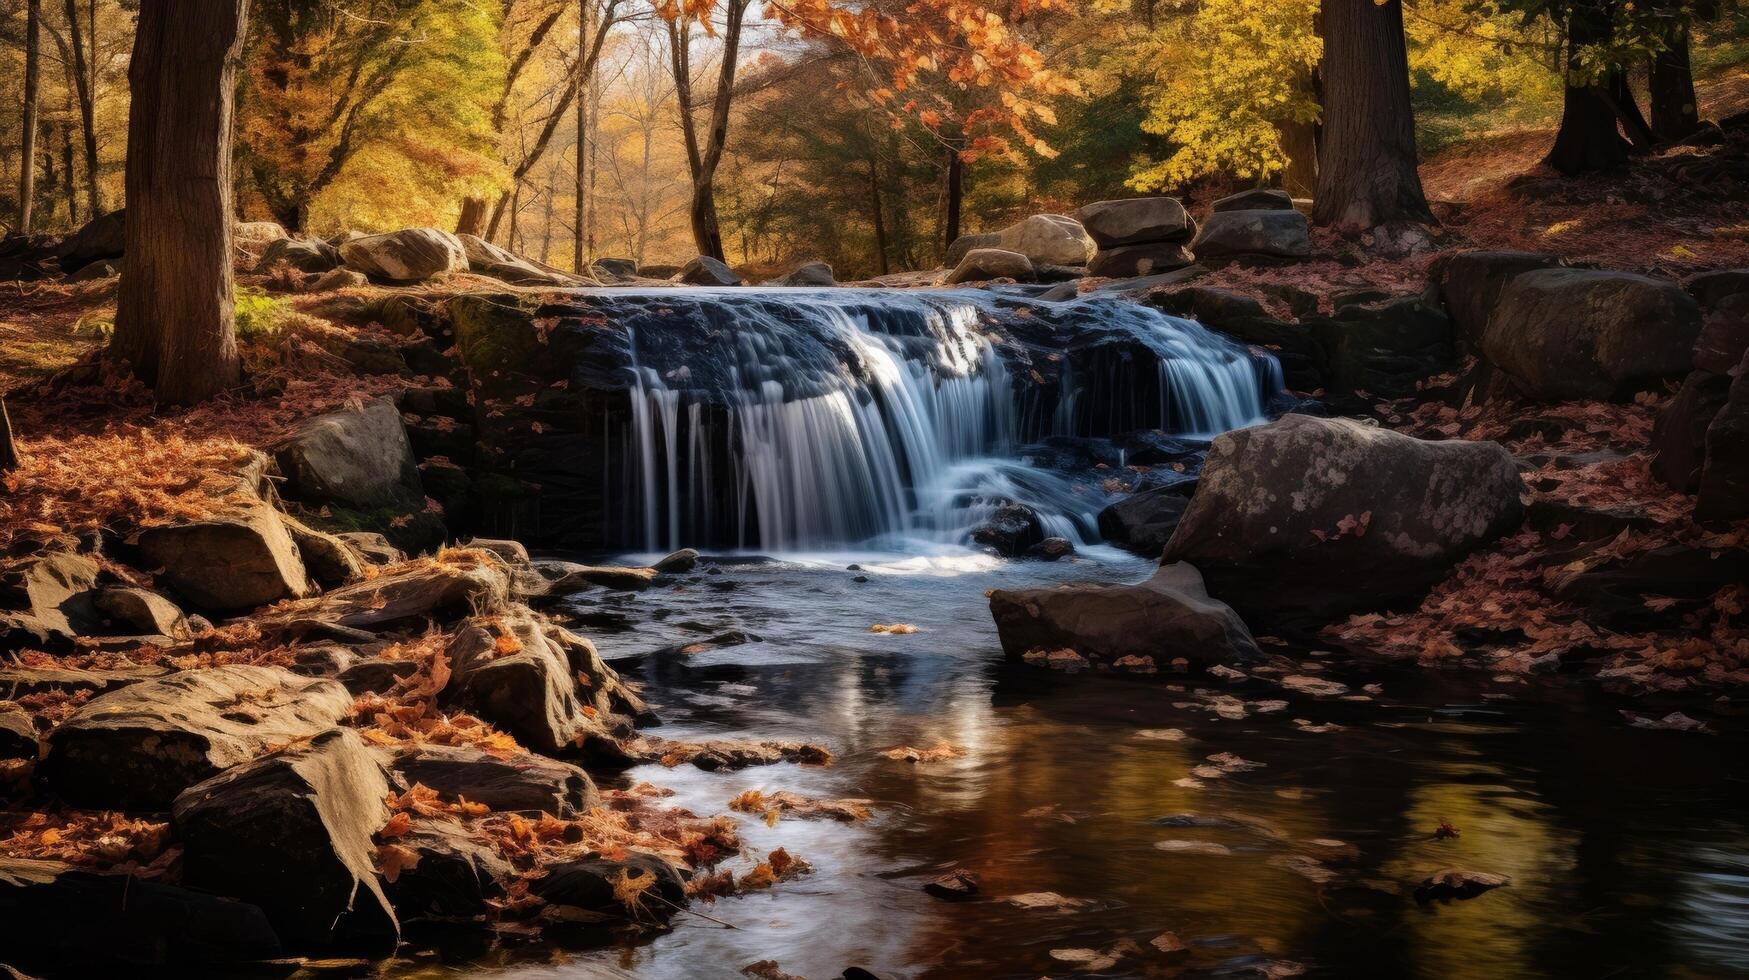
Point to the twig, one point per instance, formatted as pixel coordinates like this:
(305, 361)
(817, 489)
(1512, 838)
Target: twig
(681, 908)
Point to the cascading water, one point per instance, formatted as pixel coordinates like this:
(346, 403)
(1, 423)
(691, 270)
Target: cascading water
(785, 420)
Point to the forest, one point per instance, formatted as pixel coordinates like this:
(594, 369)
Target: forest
(874, 488)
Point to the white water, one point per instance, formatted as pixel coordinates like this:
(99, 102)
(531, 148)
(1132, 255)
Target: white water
(911, 435)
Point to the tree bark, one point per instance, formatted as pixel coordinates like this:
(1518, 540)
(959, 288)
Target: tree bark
(1367, 174)
(956, 194)
(83, 80)
(1675, 111)
(581, 207)
(174, 320)
(1627, 112)
(1588, 139)
(880, 221)
(32, 71)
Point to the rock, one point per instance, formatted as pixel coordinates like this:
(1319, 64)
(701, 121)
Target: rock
(372, 547)
(706, 271)
(376, 676)
(1210, 305)
(565, 577)
(810, 274)
(1132, 261)
(292, 833)
(141, 612)
(335, 279)
(512, 553)
(410, 592)
(302, 254)
(101, 269)
(17, 733)
(452, 874)
(1584, 523)
(1051, 549)
(1470, 284)
(1256, 199)
(327, 559)
(1724, 335)
(1304, 520)
(62, 921)
(1614, 592)
(47, 599)
(521, 783)
(409, 255)
(1270, 234)
(1048, 239)
(610, 268)
(1710, 288)
(19, 681)
(357, 458)
(955, 886)
(521, 674)
(1143, 522)
(1170, 615)
(1724, 480)
(966, 244)
(589, 885)
(100, 238)
(1679, 435)
(1570, 334)
(1382, 348)
(984, 264)
(256, 235)
(678, 563)
(1457, 883)
(1011, 530)
(237, 559)
(137, 747)
(1137, 221)
(488, 259)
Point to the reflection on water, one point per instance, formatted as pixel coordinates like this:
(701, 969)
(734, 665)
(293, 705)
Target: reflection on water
(1627, 849)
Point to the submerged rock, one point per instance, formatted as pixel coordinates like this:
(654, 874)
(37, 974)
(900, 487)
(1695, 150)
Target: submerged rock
(1011, 530)
(1170, 615)
(1304, 520)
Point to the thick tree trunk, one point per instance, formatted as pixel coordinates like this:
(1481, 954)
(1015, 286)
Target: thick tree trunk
(32, 71)
(473, 217)
(84, 83)
(1588, 139)
(174, 320)
(956, 194)
(1299, 142)
(1675, 112)
(1367, 173)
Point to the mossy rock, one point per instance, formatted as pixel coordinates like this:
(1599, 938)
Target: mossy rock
(496, 335)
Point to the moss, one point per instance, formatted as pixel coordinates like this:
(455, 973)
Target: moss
(258, 314)
(495, 333)
(498, 485)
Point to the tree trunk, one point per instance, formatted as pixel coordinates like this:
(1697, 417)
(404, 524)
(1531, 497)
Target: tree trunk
(473, 216)
(68, 187)
(704, 156)
(880, 221)
(84, 84)
(27, 159)
(1367, 173)
(1627, 112)
(8, 448)
(581, 205)
(956, 194)
(1299, 142)
(174, 319)
(1675, 112)
(1588, 140)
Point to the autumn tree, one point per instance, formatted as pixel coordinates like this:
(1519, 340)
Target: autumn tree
(28, 126)
(174, 321)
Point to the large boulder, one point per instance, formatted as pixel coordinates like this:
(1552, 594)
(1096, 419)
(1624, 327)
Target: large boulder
(1710, 288)
(253, 236)
(962, 246)
(330, 561)
(1679, 436)
(1143, 522)
(453, 873)
(984, 264)
(1304, 520)
(592, 885)
(1255, 199)
(518, 783)
(137, 747)
(302, 254)
(810, 274)
(1048, 239)
(292, 833)
(1724, 480)
(1012, 530)
(238, 558)
(1265, 234)
(357, 458)
(1137, 221)
(399, 595)
(1167, 617)
(706, 271)
(1470, 284)
(1133, 261)
(409, 255)
(488, 259)
(1569, 334)
(614, 268)
(1385, 347)
(63, 921)
(130, 611)
(47, 599)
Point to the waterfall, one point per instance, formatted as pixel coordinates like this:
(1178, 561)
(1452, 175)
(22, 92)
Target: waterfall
(785, 420)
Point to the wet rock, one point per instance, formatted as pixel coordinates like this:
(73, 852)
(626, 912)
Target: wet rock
(1136, 221)
(1679, 435)
(590, 885)
(955, 886)
(1304, 520)
(1470, 284)
(1724, 480)
(706, 271)
(1143, 522)
(984, 264)
(451, 874)
(1169, 615)
(1011, 530)
(47, 599)
(1133, 261)
(1459, 884)
(137, 747)
(360, 459)
(239, 558)
(522, 783)
(488, 259)
(17, 733)
(1051, 549)
(1256, 199)
(565, 577)
(409, 592)
(62, 921)
(678, 563)
(1210, 305)
(409, 255)
(1267, 234)
(1048, 239)
(292, 833)
(1567, 334)
(141, 612)
(303, 254)
(327, 559)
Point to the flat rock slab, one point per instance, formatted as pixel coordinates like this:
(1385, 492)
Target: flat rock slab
(520, 783)
(136, 748)
(16, 682)
(413, 590)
